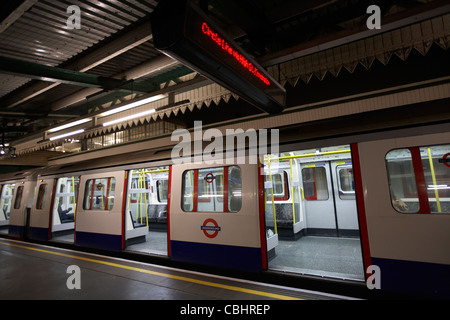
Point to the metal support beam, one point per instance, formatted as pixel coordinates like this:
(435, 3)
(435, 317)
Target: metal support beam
(53, 74)
(26, 115)
(155, 65)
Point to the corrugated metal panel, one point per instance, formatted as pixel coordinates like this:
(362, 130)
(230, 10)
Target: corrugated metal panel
(9, 83)
(126, 61)
(41, 34)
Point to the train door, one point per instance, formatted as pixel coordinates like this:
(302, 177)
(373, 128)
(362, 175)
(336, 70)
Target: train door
(215, 216)
(40, 211)
(146, 210)
(64, 209)
(7, 191)
(99, 221)
(328, 242)
(318, 192)
(329, 192)
(344, 198)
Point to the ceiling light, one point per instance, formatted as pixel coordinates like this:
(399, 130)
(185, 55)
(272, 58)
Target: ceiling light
(137, 115)
(71, 124)
(67, 134)
(133, 105)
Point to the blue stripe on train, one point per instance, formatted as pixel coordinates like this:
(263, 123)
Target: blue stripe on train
(430, 279)
(16, 231)
(38, 233)
(234, 257)
(100, 241)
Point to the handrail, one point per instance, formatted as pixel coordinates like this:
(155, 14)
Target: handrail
(273, 203)
(73, 197)
(307, 155)
(292, 193)
(433, 175)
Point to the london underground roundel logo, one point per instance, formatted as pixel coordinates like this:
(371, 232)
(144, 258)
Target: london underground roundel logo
(211, 231)
(445, 160)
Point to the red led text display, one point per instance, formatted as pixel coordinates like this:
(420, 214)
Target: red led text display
(183, 31)
(225, 46)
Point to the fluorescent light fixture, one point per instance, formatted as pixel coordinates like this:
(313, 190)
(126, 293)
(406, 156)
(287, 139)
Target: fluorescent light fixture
(133, 105)
(67, 134)
(71, 124)
(437, 186)
(133, 116)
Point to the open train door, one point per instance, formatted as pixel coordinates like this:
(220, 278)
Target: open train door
(215, 216)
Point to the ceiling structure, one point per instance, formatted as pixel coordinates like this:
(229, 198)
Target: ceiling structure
(50, 74)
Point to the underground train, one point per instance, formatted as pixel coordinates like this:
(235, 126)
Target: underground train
(333, 208)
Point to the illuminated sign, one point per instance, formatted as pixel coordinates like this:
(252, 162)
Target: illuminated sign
(223, 44)
(182, 31)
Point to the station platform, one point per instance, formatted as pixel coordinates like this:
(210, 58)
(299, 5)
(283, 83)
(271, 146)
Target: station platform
(32, 271)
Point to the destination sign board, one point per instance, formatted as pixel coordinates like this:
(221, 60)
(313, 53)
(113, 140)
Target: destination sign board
(184, 32)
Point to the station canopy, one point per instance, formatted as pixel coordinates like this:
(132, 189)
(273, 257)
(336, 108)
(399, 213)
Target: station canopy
(94, 66)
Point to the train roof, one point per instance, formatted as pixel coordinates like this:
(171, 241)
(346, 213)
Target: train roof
(112, 161)
(28, 174)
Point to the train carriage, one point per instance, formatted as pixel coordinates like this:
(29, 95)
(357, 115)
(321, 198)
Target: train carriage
(329, 208)
(16, 199)
(406, 184)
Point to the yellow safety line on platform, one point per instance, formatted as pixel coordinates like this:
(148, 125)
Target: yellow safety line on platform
(161, 274)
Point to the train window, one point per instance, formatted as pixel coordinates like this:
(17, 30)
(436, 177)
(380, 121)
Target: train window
(40, 202)
(206, 194)
(99, 194)
(212, 190)
(277, 183)
(162, 187)
(346, 183)
(280, 186)
(6, 200)
(402, 183)
(419, 179)
(18, 199)
(436, 171)
(315, 183)
(66, 198)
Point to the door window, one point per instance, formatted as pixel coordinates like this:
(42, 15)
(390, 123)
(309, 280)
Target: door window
(212, 190)
(99, 194)
(40, 202)
(18, 199)
(315, 183)
(346, 183)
